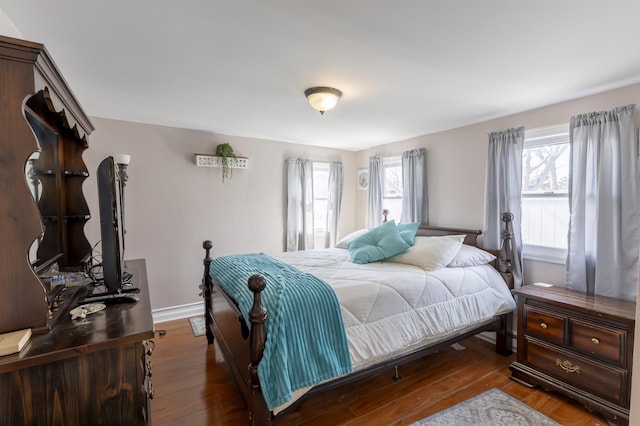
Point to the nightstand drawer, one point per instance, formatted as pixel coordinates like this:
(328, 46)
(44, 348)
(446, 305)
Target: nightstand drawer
(545, 325)
(603, 342)
(607, 382)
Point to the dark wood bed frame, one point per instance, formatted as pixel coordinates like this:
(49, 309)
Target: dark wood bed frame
(243, 348)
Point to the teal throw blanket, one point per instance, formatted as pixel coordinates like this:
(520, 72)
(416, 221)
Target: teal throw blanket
(306, 341)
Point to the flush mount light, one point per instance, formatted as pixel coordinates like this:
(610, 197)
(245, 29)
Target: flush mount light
(322, 98)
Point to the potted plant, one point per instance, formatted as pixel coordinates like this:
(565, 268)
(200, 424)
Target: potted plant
(225, 152)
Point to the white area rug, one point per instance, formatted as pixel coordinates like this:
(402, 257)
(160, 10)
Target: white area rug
(490, 408)
(198, 326)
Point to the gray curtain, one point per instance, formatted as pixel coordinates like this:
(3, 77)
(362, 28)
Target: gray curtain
(504, 192)
(334, 202)
(299, 204)
(375, 193)
(414, 187)
(604, 236)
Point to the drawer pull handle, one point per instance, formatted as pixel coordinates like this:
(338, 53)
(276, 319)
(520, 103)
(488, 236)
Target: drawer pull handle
(543, 325)
(568, 367)
(595, 340)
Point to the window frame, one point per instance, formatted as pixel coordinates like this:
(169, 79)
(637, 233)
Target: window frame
(392, 161)
(540, 137)
(321, 167)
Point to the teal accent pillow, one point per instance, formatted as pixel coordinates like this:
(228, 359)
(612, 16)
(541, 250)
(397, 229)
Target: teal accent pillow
(378, 243)
(408, 231)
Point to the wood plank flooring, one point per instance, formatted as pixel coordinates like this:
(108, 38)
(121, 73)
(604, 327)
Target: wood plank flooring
(193, 387)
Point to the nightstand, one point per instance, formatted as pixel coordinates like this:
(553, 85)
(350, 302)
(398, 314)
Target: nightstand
(578, 345)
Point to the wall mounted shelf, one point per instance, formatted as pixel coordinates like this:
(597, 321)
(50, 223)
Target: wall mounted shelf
(203, 160)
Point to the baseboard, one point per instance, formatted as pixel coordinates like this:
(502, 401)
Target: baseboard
(177, 312)
(489, 336)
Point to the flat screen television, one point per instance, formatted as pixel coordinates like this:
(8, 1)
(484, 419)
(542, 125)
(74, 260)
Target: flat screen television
(110, 227)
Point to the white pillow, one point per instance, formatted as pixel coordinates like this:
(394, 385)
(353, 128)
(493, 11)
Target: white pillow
(344, 243)
(471, 256)
(431, 253)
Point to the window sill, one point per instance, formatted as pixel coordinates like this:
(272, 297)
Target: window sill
(545, 254)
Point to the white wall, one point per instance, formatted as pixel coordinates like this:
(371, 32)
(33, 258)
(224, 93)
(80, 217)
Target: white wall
(7, 28)
(456, 166)
(172, 205)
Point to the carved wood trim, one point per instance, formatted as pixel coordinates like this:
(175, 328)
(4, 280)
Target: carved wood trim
(207, 287)
(504, 263)
(27, 72)
(258, 411)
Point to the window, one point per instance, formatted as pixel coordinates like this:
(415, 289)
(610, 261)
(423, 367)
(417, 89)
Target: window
(545, 185)
(392, 198)
(320, 200)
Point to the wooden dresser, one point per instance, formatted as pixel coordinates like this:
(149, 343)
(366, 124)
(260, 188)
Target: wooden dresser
(92, 371)
(578, 345)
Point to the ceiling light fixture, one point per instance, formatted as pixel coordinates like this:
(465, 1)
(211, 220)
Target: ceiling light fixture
(322, 98)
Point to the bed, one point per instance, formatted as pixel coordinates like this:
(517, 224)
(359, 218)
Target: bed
(392, 312)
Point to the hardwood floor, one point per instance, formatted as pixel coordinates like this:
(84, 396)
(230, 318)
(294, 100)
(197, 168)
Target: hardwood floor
(193, 387)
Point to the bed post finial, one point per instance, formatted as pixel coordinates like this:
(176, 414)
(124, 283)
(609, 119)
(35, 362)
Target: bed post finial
(257, 318)
(385, 213)
(207, 245)
(503, 262)
(259, 414)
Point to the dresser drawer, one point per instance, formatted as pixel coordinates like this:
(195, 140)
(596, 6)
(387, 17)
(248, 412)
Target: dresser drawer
(607, 382)
(602, 342)
(545, 325)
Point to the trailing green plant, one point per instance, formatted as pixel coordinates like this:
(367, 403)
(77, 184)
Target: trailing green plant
(224, 151)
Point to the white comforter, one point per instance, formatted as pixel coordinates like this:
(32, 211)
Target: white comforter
(389, 308)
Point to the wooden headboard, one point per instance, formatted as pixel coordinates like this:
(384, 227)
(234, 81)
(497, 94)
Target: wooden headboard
(471, 235)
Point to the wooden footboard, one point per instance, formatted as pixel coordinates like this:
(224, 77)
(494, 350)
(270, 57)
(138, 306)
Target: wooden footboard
(243, 348)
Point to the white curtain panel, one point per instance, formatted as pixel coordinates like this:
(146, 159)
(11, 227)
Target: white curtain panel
(375, 193)
(299, 204)
(604, 228)
(334, 202)
(504, 193)
(414, 187)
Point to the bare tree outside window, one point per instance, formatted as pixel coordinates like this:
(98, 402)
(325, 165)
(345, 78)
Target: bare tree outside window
(545, 184)
(545, 169)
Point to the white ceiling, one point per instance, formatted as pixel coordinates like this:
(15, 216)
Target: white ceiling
(406, 68)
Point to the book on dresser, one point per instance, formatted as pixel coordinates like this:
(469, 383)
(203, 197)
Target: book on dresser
(13, 342)
(576, 344)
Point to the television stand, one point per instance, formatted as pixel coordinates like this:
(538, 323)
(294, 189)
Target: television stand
(100, 364)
